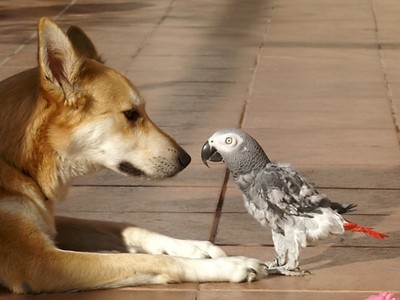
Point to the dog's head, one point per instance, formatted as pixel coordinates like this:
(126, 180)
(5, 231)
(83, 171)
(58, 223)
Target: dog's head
(98, 116)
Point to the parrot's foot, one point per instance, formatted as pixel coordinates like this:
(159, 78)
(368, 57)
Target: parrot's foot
(282, 270)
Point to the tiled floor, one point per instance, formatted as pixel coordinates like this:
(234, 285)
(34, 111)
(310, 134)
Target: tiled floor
(316, 82)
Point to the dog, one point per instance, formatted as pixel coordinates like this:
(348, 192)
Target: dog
(70, 116)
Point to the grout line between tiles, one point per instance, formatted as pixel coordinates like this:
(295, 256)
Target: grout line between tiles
(150, 34)
(218, 209)
(346, 188)
(328, 245)
(255, 68)
(296, 291)
(33, 35)
(388, 88)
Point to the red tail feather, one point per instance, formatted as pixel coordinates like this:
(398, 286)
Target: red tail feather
(367, 230)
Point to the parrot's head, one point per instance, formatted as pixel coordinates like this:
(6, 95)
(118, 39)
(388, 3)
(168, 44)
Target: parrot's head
(240, 152)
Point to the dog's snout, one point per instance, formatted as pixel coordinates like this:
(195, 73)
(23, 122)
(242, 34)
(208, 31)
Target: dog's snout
(184, 158)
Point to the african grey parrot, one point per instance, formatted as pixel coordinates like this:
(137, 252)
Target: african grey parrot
(277, 196)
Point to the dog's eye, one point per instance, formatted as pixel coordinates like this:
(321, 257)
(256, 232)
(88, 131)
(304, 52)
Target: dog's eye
(132, 115)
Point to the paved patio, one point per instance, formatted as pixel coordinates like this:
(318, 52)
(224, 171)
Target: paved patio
(317, 82)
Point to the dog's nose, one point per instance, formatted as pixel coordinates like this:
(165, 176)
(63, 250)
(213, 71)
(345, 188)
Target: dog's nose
(184, 158)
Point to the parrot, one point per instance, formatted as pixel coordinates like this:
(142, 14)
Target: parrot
(278, 197)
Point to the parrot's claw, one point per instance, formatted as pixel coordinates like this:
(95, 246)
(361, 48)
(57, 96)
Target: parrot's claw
(284, 271)
(272, 264)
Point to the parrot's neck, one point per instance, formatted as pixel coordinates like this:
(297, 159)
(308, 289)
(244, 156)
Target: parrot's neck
(243, 170)
(250, 160)
(244, 175)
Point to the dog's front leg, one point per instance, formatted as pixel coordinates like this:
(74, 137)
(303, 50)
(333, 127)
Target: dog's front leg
(142, 240)
(101, 236)
(31, 264)
(53, 270)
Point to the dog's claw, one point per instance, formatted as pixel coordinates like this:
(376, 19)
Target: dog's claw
(252, 275)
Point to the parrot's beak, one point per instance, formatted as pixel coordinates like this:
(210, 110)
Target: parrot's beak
(209, 153)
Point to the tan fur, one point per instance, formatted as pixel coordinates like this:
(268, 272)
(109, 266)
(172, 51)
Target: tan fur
(64, 119)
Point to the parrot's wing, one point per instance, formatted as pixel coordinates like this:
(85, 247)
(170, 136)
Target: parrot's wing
(287, 192)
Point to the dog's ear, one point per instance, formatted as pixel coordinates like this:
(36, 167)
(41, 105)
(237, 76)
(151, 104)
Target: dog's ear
(83, 44)
(59, 64)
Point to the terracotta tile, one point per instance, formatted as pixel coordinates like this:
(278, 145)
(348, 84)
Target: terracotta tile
(226, 119)
(124, 295)
(346, 176)
(195, 175)
(285, 295)
(186, 286)
(333, 269)
(328, 112)
(152, 78)
(297, 22)
(317, 70)
(379, 177)
(395, 90)
(179, 225)
(242, 229)
(331, 146)
(280, 49)
(318, 99)
(140, 199)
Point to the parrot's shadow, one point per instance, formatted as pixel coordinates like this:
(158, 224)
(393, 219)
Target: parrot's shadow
(342, 255)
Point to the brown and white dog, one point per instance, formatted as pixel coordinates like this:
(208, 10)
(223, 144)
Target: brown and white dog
(70, 116)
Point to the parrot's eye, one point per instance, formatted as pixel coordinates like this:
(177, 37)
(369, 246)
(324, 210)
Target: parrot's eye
(228, 140)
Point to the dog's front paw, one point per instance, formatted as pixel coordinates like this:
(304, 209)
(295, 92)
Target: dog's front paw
(244, 269)
(144, 241)
(232, 269)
